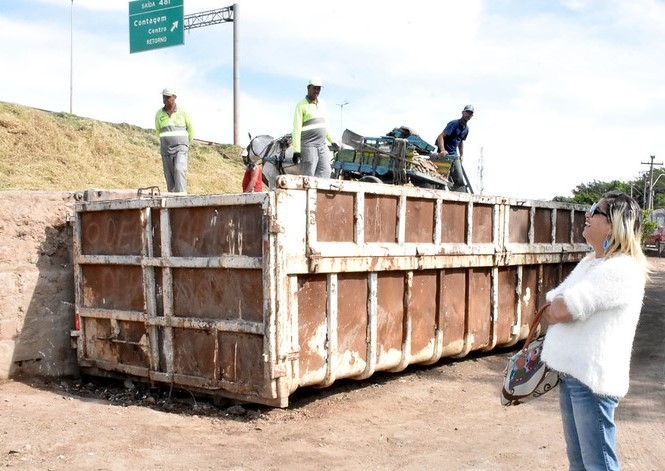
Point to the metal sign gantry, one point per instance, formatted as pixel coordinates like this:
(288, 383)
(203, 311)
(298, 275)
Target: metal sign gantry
(209, 18)
(215, 17)
(160, 23)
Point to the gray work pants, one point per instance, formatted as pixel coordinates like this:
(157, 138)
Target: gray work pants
(175, 170)
(456, 174)
(315, 161)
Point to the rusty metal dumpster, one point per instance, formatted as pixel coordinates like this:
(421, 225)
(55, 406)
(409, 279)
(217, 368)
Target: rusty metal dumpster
(252, 296)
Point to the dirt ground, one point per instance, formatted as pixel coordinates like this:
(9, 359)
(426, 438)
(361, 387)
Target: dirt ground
(445, 417)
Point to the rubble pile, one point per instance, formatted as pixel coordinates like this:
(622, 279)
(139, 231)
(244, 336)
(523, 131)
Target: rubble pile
(426, 166)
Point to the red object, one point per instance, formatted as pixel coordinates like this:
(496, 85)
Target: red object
(258, 186)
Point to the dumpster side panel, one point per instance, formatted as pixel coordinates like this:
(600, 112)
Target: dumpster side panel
(479, 323)
(542, 226)
(578, 227)
(111, 340)
(239, 362)
(380, 224)
(390, 318)
(454, 222)
(335, 214)
(452, 274)
(352, 320)
(215, 293)
(483, 227)
(422, 310)
(312, 328)
(453, 303)
(113, 287)
(111, 233)
(180, 294)
(211, 231)
(252, 296)
(509, 279)
(194, 353)
(420, 215)
(519, 224)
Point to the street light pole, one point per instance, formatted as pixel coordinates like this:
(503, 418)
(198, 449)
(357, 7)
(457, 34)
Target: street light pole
(341, 116)
(71, 55)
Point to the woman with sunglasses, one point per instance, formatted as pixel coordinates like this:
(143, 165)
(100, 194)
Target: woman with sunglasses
(591, 326)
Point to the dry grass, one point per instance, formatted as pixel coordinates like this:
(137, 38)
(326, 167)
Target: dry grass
(41, 150)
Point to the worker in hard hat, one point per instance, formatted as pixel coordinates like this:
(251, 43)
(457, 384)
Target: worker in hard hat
(311, 133)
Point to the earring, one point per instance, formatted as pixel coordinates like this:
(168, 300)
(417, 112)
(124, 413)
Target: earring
(606, 243)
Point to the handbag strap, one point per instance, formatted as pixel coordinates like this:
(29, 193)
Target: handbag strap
(534, 326)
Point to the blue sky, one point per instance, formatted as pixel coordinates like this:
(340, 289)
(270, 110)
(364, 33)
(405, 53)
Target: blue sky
(565, 92)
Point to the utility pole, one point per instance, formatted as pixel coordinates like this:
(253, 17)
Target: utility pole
(649, 197)
(71, 55)
(213, 17)
(481, 171)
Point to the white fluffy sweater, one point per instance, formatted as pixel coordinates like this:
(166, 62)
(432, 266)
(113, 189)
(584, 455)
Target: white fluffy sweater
(604, 297)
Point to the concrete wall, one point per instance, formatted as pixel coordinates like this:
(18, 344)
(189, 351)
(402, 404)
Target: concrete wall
(36, 284)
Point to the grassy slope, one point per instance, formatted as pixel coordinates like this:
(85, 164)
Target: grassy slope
(41, 150)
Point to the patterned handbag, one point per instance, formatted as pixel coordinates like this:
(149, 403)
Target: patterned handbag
(526, 376)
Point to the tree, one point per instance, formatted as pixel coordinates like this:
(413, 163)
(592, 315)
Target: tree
(589, 193)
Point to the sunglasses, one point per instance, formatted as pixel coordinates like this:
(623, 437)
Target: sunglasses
(595, 209)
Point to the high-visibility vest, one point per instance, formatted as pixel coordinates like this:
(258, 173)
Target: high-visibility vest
(175, 129)
(310, 125)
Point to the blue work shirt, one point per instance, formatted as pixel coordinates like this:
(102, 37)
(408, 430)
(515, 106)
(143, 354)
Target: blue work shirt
(455, 132)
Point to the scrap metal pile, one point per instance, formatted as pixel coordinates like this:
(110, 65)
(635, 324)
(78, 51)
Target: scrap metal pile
(399, 157)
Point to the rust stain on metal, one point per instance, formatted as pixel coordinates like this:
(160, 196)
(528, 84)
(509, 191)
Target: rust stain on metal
(254, 296)
(419, 220)
(111, 233)
(334, 216)
(380, 222)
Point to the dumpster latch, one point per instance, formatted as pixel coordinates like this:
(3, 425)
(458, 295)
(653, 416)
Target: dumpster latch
(419, 258)
(274, 227)
(149, 191)
(279, 371)
(314, 258)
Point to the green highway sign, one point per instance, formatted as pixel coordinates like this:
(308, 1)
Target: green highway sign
(154, 24)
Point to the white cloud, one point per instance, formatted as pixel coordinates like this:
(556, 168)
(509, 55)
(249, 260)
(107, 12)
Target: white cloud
(565, 92)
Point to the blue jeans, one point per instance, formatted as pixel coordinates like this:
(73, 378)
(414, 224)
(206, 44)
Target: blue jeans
(588, 427)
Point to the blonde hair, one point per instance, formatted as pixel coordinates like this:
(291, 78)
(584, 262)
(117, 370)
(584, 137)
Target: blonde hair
(625, 216)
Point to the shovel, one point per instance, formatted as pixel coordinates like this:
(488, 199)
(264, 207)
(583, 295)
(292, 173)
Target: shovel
(352, 139)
